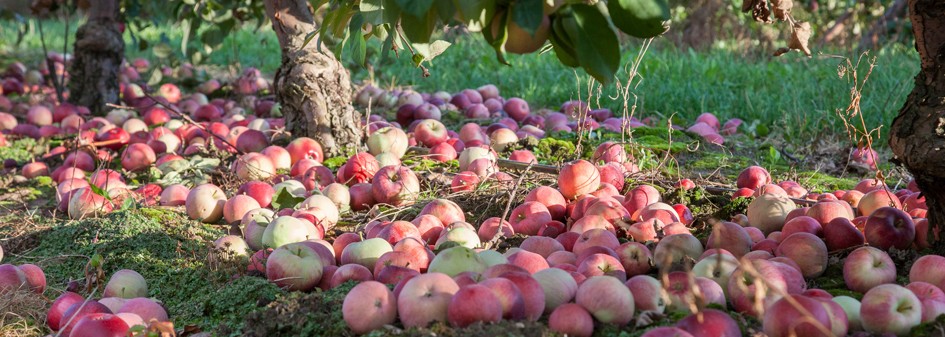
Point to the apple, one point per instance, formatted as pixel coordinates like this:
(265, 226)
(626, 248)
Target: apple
(773, 279)
(205, 203)
(889, 227)
(349, 272)
(851, 307)
(473, 303)
(236, 207)
(890, 308)
(558, 286)
(797, 315)
(809, 251)
(648, 294)
(676, 250)
(58, 308)
(578, 178)
(768, 212)
(99, 325)
(294, 266)
(77, 311)
(635, 258)
(126, 283)
(932, 298)
(305, 148)
(840, 233)
(145, 308)
(509, 295)
(369, 306)
(709, 322)
(876, 199)
(35, 278)
(287, 229)
(929, 268)
(425, 299)
(395, 186)
(528, 217)
(731, 237)
(464, 236)
(455, 260)
(717, 267)
(551, 198)
(541, 245)
(430, 132)
(868, 267)
(571, 320)
(444, 209)
(607, 299)
(365, 253)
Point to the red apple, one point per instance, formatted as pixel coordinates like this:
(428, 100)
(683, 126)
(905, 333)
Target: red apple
(369, 306)
(890, 308)
(474, 303)
(890, 227)
(868, 267)
(571, 320)
(607, 299)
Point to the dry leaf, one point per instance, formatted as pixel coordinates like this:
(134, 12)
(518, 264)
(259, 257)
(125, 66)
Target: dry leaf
(782, 8)
(782, 51)
(760, 11)
(747, 5)
(800, 37)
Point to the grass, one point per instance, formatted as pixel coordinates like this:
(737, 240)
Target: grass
(792, 94)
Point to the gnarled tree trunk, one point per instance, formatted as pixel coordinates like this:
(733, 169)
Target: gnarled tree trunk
(99, 49)
(918, 134)
(312, 86)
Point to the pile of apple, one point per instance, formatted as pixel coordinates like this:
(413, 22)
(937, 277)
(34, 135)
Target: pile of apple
(597, 250)
(124, 303)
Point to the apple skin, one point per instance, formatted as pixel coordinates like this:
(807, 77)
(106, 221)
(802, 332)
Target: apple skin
(145, 308)
(444, 209)
(532, 293)
(12, 278)
(890, 308)
(126, 283)
(783, 318)
(58, 309)
(930, 269)
(294, 266)
(648, 294)
(868, 267)
(932, 298)
(471, 304)
(425, 299)
(395, 185)
(541, 245)
(369, 306)
(710, 322)
(205, 203)
(851, 307)
(742, 286)
(666, 331)
(717, 267)
(551, 198)
(731, 237)
(35, 277)
(578, 178)
(753, 177)
(840, 233)
(76, 311)
(558, 285)
(572, 320)
(455, 260)
(890, 227)
(607, 299)
(635, 258)
(509, 295)
(807, 250)
(100, 325)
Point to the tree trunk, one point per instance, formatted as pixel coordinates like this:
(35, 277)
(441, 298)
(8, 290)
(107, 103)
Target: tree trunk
(99, 49)
(918, 134)
(312, 86)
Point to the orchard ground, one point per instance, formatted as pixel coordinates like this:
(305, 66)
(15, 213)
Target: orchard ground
(791, 128)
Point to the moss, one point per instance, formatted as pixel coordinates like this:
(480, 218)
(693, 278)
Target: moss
(302, 314)
(335, 162)
(22, 150)
(818, 181)
(167, 249)
(728, 164)
(554, 151)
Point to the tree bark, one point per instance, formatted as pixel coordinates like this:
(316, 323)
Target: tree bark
(312, 86)
(99, 49)
(918, 134)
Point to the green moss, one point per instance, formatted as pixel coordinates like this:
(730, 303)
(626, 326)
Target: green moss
(22, 150)
(818, 181)
(335, 162)
(554, 151)
(302, 314)
(170, 251)
(729, 164)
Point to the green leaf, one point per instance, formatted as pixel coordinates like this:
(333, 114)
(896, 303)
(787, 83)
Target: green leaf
(595, 44)
(446, 9)
(418, 29)
(639, 18)
(527, 14)
(98, 190)
(354, 46)
(285, 199)
(213, 37)
(185, 35)
(156, 77)
(162, 50)
(476, 14)
(373, 11)
(417, 8)
(431, 50)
